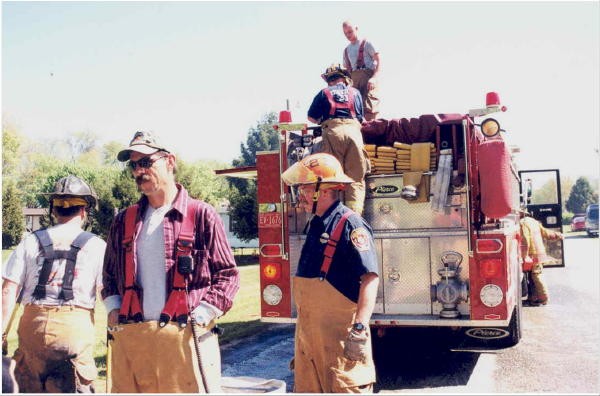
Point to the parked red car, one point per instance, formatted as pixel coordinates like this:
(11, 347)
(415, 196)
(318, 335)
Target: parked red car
(578, 223)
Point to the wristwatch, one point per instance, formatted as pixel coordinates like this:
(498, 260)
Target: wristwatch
(358, 327)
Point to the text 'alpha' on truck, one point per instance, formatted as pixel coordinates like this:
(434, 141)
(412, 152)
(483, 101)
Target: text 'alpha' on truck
(449, 256)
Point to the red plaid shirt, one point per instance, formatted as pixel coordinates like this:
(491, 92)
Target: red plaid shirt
(215, 279)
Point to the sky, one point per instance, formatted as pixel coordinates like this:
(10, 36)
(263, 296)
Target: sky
(200, 74)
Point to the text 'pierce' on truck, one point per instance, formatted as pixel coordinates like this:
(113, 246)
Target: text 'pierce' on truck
(447, 234)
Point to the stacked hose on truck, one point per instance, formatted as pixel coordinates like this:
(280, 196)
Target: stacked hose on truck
(495, 178)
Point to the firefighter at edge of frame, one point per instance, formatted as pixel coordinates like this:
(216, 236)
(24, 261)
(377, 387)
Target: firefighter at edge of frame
(59, 271)
(338, 264)
(534, 256)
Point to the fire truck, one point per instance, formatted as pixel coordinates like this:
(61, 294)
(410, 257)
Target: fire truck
(452, 261)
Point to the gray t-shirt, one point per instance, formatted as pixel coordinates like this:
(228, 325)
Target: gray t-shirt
(369, 53)
(150, 249)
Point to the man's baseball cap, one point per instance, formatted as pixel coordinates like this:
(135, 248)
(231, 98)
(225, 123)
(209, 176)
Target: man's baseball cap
(144, 143)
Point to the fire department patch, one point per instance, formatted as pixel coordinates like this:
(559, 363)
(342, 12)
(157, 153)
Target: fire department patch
(360, 239)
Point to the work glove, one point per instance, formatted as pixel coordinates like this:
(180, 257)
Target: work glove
(205, 313)
(355, 346)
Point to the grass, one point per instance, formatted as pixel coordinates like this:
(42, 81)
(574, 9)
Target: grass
(242, 320)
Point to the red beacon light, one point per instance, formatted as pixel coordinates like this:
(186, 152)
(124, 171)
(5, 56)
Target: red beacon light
(492, 103)
(285, 116)
(492, 100)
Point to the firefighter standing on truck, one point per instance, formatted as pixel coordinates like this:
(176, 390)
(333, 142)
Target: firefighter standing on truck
(364, 63)
(167, 259)
(335, 286)
(534, 255)
(57, 272)
(338, 108)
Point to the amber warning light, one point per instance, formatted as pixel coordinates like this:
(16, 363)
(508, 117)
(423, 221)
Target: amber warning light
(271, 271)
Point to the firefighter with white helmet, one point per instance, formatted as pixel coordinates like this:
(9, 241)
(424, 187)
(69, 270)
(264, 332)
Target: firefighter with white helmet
(339, 110)
(56, 272)
(338, 264)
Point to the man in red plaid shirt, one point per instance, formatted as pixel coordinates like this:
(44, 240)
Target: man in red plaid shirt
(168, 274)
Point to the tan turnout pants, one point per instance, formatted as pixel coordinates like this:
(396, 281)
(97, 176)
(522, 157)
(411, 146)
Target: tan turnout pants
(321, 328)
(360, 80)
(342, 139)
(146, 358)
(56, 347)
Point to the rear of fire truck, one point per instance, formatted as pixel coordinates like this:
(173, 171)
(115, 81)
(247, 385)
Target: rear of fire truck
(448, 254)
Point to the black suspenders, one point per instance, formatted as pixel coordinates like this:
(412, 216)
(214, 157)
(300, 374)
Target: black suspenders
(50, 255)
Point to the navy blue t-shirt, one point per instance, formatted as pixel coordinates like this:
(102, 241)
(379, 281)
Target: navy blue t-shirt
(354, 256)
(320, 107)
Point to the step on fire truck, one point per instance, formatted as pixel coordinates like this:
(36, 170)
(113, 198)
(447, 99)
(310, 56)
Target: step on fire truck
(452, 261)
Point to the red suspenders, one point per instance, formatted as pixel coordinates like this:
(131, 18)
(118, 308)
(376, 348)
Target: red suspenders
(333, 105)
(176, 306)
(360, 59)
(332, 244)
(130, 307)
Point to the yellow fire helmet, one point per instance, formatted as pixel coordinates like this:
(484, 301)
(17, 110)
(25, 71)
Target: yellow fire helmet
(316, 168)
(335, 70)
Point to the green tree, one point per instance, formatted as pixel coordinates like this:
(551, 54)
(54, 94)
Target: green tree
(244, 206)
(81, 142)
(581, 196)
(201, 182)
(110, 151)
(13, 222)
(11, 144)
(36, 169)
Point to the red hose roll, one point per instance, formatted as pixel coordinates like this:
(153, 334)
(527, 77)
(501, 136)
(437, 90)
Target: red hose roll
(495, 178)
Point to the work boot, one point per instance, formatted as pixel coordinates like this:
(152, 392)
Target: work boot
(536, 303)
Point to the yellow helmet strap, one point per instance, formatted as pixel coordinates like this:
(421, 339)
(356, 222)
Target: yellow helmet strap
(316, 195)
(315, 199)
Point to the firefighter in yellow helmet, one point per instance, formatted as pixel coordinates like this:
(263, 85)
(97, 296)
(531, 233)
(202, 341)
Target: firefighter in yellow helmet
(338, 265)
(533, 252)
(339, 110)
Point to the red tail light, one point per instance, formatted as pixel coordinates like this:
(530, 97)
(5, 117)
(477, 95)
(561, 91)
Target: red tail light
(490, 268)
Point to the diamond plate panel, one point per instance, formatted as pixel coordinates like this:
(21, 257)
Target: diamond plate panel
(406, 275)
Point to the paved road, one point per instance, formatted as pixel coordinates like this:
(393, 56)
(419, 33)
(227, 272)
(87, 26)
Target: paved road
(559, 352)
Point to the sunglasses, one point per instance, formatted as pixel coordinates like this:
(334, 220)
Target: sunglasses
(144, 163)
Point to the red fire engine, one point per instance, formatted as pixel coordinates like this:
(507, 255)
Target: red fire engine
(451, 261)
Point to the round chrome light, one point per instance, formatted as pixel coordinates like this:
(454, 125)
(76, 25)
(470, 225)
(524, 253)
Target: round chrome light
(491, 295)
(490, 127)
(272, 295)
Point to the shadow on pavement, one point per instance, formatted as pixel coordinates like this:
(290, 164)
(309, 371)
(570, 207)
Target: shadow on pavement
(418, 358)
